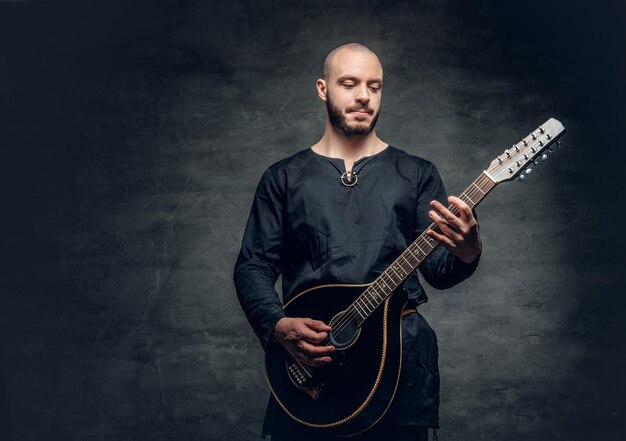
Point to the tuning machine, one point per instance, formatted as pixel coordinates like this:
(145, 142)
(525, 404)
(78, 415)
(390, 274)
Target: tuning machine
(522, 177)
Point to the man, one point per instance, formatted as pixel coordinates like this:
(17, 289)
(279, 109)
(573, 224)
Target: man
(343, 210)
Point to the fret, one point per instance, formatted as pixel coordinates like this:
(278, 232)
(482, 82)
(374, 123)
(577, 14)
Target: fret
(410, 264)
(376, 300)
(359, 302)
(407, 262)
(399, 270)
(429, 240)
(389, 277)
(368, 301)
(393, 276)
(354, 305)
(377, 282)
(377, 294)
(381, 285)
(420, 248)
(479, 189)
(470, 199)
(395, 272)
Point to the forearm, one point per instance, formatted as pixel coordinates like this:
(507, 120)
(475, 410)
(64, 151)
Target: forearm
(442, 270)
(258, 298)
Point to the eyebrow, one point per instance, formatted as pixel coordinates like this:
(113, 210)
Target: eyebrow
(348, 77)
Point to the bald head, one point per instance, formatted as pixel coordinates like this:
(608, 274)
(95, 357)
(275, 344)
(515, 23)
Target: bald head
(351, 85)
(331, 58)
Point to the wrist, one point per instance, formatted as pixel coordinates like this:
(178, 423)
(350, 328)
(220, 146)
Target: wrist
(278, 330)
(469, 259)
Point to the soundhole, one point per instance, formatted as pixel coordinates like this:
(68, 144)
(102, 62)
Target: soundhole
(345, 331)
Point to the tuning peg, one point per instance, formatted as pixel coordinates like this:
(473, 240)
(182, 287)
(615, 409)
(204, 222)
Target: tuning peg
(536, 163)
(551, 150)
(529, 170)
(521, 178)
(544, 157)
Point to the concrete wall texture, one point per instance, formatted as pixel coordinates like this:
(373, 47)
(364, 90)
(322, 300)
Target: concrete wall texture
(133, 136)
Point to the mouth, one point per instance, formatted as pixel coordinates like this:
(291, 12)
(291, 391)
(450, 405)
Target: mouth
(361, 112)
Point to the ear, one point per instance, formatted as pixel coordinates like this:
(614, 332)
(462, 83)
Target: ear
(321, 89)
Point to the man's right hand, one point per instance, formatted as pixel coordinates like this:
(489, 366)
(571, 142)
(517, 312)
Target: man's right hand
(301, 337)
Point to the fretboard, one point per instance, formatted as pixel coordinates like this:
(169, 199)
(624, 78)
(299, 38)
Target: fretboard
(414, 255)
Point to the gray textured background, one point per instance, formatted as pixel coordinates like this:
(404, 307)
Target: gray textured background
(133, 137)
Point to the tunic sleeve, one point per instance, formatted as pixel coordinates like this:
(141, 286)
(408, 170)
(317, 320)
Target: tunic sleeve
(259, 262)
(441, 269)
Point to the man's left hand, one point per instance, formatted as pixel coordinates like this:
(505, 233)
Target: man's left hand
(460, 234)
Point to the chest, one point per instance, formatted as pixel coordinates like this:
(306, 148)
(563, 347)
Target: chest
(381, 201)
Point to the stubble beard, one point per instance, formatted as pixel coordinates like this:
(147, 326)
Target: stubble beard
(338, 120)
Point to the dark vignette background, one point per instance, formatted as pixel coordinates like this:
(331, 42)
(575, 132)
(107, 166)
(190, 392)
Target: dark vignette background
(133, 135)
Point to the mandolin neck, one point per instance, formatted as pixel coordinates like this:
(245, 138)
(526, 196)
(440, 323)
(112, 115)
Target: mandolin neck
(384, 285)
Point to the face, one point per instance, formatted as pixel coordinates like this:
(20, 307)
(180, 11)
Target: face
(352, 91)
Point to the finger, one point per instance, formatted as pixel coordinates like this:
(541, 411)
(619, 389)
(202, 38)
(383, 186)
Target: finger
(312, 336)
(311, 361)
(445, 241)
(445, 215)
(317, 325)
(319, 361)
(445, 227)
(315, 330)
(313, 350)
(464, 209)
(304, 331)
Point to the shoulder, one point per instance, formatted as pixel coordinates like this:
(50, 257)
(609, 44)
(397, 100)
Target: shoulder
(405, 160)
(276, 175)
(292, 163)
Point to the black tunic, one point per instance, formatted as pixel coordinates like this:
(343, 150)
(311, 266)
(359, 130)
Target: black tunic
(307, 226)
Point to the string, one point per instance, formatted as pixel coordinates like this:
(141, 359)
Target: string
(474, 194)
(347, 318)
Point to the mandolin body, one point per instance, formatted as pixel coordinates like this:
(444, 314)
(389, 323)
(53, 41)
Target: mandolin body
(352, 393)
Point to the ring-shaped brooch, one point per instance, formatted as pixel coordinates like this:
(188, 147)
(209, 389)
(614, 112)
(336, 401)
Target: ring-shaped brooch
(349, 179)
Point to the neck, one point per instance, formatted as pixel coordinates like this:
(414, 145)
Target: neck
(337, 144)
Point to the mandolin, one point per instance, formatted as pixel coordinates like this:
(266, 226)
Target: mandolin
(351, 394)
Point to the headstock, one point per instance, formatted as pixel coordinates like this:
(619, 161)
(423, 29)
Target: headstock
(514, 161)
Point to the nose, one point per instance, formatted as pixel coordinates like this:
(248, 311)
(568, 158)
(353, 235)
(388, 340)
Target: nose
(363, 95)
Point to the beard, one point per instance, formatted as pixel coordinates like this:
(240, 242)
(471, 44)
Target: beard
(338, 120)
